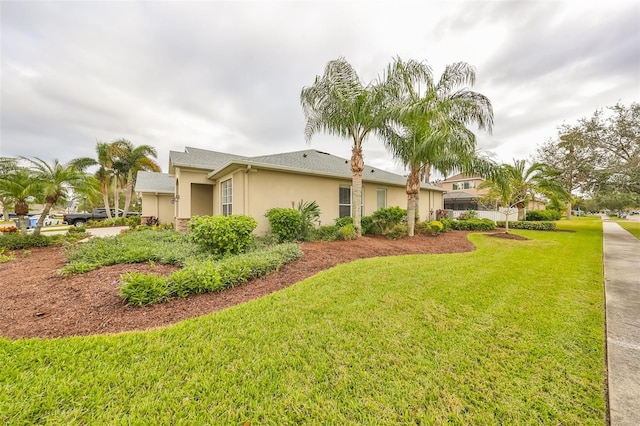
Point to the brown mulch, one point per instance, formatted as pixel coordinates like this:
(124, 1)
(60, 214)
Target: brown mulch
(37, 302)
(507, 236)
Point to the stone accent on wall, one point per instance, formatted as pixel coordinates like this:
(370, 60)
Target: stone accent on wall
(181, 224)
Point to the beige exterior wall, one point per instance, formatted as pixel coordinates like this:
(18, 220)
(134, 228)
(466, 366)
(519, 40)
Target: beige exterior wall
(448, 184)
(159, 206)
(255, 191)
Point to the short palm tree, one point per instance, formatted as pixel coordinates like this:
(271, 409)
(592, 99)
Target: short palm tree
(339, 103)
(55, 182)
(517, 184)
(428, 123)
(18, 187)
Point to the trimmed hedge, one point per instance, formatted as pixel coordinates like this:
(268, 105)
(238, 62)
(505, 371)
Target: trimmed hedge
(534, 226)
(468, 225)
(543, 215)
(205, 276)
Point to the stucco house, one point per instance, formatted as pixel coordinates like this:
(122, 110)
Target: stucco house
(202, 182)
(462, 193)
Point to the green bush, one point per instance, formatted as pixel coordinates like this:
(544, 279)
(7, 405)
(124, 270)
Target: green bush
(285, 223)
(309, 217)
(434, 227)
(535, 226)
(396, 232)
(387, 218)
(447, 224)
(348, 232)
(327, 233)
(19, 241)
(473, 225)
(543, 215)
(469, 214)
(144, 289)
(202, 276)
(223, 235)
(368, 226)
(344, 221)
(133, 221)
(195, 278)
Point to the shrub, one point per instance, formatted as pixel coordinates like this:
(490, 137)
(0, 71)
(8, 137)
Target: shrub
(344, 221)
(397, 231)
(5, 257)
(434, 227)
(19, 241)
(202, 276)
(543, 215)
(368, 226)
(469, 214)
(223, 235)
(473, 225)
(388, 217)
(133, 221)
(144, 289)
(348, 232)
(309, 217)
(535, 226)
(285, 223)
(447, 224)
(327, 233)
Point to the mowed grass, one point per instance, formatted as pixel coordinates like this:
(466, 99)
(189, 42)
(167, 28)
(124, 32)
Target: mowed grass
(512, 333)
(632, 227)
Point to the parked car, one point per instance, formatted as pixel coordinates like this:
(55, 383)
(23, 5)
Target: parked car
(80, 219)
(49, 220)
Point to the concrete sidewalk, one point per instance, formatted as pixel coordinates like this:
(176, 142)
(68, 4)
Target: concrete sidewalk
(622, 297)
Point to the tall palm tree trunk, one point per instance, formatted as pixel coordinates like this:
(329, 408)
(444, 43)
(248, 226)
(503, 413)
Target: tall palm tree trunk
(413, 187)
(357, 167)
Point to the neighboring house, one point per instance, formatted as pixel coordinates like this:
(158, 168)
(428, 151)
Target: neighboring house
(202, 182)
(463, 194)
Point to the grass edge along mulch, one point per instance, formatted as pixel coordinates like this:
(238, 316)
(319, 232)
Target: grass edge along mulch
(511, 333)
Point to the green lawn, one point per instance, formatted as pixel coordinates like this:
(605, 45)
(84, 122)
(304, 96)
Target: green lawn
(512, 333)
(633, 227)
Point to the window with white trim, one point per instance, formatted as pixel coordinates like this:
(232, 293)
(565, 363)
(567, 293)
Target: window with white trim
(344, 201)
(226, 193)
(381, 202)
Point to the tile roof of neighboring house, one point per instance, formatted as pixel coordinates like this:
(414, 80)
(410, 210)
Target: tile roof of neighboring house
(155, 182)
(307, 161)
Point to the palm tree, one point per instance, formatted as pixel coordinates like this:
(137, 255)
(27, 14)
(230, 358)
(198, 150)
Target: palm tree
(107, 153)
(19, 187)
(516, 185)
(339, 103)
(7, 165)
(130, 161)
(56, 181)
(428, 123)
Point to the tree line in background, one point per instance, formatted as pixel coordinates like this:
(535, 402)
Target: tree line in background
(25, 180)
(599, 158)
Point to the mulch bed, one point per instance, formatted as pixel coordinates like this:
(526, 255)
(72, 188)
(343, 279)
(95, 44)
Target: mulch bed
(37, 302)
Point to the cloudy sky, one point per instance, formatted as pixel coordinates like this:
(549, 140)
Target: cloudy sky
(227, 75)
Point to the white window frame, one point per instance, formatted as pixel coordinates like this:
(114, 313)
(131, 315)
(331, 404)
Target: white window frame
(384, 201)
(226, 197)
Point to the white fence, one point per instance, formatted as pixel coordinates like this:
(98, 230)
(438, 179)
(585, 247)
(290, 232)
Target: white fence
(491, 214)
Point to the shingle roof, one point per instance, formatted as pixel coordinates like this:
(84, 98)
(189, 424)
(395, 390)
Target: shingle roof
(309, 161)
(155, 182)
(200, 158)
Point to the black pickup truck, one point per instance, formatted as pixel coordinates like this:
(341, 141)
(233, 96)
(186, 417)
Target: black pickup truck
(79, 219)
